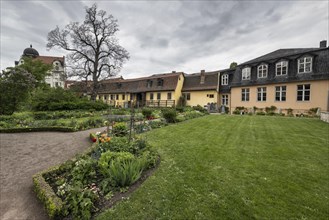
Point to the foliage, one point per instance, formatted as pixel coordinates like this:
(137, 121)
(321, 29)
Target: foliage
(169, 114)
(120, 129)
(51, 99)
(270, 110)
(233, 65)
(53, 204)
(94, 50)
(312, 111)
(147, 112)
(84, 171)
(157, 124)
(15, 87)
(181, 102)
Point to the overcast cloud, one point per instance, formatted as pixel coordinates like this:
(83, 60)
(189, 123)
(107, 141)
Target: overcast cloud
(164, 36)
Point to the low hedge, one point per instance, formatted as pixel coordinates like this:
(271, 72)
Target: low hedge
(52, 203)
(20, 130)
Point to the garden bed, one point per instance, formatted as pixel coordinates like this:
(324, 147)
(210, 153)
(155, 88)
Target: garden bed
(103, 175)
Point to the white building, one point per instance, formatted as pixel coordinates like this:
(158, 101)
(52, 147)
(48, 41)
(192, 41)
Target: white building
(57, 76)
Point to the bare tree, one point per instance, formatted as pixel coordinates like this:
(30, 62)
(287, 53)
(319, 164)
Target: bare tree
(94, 50)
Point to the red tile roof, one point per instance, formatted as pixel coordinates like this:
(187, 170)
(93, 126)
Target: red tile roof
(50, 60)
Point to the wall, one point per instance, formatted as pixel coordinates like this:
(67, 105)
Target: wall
(200, 98)
(324, 116)
(178, 90)
(319, 97)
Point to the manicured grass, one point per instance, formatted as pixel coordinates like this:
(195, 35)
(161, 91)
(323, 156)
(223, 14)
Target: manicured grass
(235, 167)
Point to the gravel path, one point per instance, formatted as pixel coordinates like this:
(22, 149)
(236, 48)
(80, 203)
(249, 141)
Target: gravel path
(24, 154)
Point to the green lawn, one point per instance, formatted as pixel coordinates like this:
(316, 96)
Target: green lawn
(235, 167)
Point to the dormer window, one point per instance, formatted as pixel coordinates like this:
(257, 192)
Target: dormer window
(262, 71)
(281, 68)
(305, 65)
(119, 85)
(149, 83)
(160, 82)
(246, 73)
(225, 79)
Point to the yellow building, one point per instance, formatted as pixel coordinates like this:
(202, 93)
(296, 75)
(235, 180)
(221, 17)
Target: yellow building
(293, 80)
(201, 89)
(158, 90)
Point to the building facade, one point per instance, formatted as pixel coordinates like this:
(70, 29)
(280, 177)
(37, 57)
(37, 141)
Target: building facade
(291, 80)
(56, 77)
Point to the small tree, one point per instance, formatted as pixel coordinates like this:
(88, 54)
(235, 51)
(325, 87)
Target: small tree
(233, 65)
(15, 86)
(94, 50)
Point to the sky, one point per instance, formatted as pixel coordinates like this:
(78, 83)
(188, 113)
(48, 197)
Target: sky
(166, 36)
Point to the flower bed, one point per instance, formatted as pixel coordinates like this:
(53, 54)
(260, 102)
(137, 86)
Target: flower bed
(80, 187)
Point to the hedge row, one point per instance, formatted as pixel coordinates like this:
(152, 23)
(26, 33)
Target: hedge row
(19, 130)
(52, 203)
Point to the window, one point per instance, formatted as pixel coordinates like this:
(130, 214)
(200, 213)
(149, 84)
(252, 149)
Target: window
(245, 94)
(262, 71)
(151, 96)
(261, 94)
(160, 82)
(225, 79)
(246, 73)
(112, 97)
(149, 83)
(123, 97)
(280, 93)
(117, 97)
(303, 92)
(187, 96)
(56, 84)
(210, 95)
(281, 68)
(158, 96)
(105, 97)
(169, 96)
(305, 65)
(225, 100)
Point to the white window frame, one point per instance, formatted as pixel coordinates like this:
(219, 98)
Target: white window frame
(280, 90)
(280, 65)
(225, 100)
(303, 63)
(261, 94)
(225, 79)
(245, 94)
(246, 73)
(303, 90)
(262, 71)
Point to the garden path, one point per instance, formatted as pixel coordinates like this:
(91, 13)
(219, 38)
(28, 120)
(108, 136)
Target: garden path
(24, 154)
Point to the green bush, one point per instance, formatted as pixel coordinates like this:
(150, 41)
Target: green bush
(120, 129)
(84, 170)
(147, 112)
(169, 114)
(200, 108)
(192, 114)
(107, 157)
(157, 124)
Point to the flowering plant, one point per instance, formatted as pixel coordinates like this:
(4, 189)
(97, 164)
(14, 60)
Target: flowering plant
(104, 138)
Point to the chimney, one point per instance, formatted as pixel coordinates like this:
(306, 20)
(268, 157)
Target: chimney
(173, 72)
(202, 77)
(323, 44)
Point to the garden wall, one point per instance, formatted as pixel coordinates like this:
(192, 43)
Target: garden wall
(324, 116)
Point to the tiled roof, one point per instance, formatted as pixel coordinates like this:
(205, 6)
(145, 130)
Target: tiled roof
(192, 82)
(120, 85)
(50, 60)
(281, 53)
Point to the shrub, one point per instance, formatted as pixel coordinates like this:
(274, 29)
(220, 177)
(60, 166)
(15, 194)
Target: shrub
(200, 109)
(107, 157)
(157, 124)
(260, 113)
(193, 114)
(147, 112)
(312, 111)
(120, 129)
(169, 114)
(84, 170)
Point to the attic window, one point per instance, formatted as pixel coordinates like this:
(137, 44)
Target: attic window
(262, 71)
(281, 68)
(305, 65)
(119, 85)
(149, 83)
(160, 82)
(246, 73)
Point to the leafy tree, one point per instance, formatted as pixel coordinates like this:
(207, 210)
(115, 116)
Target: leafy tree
(37, 68)
(233, 65)
(94, 50)
(15, 85)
